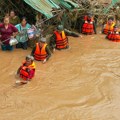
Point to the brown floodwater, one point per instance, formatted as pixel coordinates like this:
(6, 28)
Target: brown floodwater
(81, 83)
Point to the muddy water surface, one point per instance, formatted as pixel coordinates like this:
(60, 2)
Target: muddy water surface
(82, 83)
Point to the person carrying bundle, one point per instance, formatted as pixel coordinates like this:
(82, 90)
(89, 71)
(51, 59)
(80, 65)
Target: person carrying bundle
(22, 37)
(7, 31)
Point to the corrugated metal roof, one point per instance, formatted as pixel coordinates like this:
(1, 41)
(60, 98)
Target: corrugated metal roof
(46, 6)
(66, 3)
(41, 6)
(52, 3)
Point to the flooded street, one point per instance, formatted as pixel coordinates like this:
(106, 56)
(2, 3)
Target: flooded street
(81, 83)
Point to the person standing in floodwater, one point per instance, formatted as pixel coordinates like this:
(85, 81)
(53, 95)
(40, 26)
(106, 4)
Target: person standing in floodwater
(7, 31)
(22, 37)
(41, 51)
(108, 27)
(59, 39)
(114, 35)
(27, 71)
(87, 26)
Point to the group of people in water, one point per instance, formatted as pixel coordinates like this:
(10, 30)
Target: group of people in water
(42, 51)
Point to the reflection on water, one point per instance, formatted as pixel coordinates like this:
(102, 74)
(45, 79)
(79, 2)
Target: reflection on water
(82, 83)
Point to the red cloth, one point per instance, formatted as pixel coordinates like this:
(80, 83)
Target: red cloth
(7, 33)
(31, 74)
